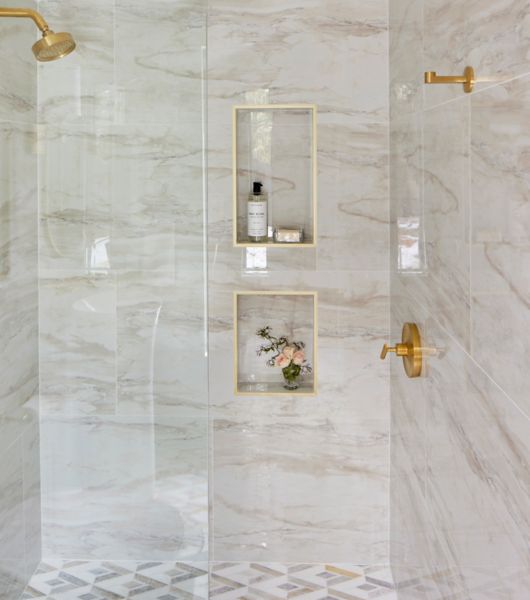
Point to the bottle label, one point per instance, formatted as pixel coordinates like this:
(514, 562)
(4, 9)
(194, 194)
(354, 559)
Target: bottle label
(257, 219)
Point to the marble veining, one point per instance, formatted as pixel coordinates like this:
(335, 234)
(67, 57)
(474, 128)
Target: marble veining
(133, 487)
(460, 484)
(122, 292)
(20, 545)
(288, 471)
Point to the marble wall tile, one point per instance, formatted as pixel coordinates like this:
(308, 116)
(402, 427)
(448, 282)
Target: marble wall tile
(18, 281)
(430, 195)
(353, 210)
(308, 488)
(134, 120)
(352, 327)
(493, 38)
(12, 555)
(459, 476)
(352, 213)
(446, 216)
(78, 344)
(122, 283)
(353, 191)
(121, 74)
(407, 215)
(75, 197)
(405, 40)
(133, 487)
(31, 498)
(19, 457)
(159, 77)
(282, 466)
(500, 284)
(157, 198)
(161, 349)
(257, 508)
(122, 209)
(322, 31)
(80, 88)
(18, 88)
(460, 482)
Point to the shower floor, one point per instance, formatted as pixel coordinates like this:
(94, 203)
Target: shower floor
(107, 580)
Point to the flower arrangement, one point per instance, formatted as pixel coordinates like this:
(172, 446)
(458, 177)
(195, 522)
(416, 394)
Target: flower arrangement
(288, 356)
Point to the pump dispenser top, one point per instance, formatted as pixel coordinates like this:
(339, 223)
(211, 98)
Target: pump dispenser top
(256, 188)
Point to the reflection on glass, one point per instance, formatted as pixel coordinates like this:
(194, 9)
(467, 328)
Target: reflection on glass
(98, 257)
(256, 259)
(410, 245)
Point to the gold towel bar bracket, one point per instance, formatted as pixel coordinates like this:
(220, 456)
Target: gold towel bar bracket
(467, 79)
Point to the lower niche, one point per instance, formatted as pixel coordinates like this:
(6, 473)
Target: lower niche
(284, 325)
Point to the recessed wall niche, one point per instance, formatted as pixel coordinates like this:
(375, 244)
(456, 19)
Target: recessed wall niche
(276, 145)
(290, 314)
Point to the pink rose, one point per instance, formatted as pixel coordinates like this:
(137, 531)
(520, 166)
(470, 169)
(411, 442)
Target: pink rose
(282, 361)
(289, 351)
(299, 357)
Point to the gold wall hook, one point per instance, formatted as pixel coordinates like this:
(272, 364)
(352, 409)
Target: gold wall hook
(409, 349)
(467, 79)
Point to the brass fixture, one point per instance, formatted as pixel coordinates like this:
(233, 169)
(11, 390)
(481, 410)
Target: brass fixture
(52, 45)
(468, 78)
(409, 348)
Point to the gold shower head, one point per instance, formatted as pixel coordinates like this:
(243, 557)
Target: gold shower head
(52, 45)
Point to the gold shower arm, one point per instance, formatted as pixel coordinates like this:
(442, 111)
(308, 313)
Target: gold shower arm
(27, 13)
(467, 79)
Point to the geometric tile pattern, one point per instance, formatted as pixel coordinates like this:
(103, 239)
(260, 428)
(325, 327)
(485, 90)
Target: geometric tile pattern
(274, 581)
(118, 580)
(108, 580)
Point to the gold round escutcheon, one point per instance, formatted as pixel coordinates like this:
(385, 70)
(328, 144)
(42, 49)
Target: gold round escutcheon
(409, 349)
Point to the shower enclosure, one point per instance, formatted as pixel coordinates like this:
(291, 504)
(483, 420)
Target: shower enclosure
(146, 450)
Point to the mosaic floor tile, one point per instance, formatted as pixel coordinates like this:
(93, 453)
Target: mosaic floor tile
(273, 581)
(104, 580)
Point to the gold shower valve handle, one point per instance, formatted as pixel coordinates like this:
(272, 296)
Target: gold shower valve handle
(399, 349)
(409, 349)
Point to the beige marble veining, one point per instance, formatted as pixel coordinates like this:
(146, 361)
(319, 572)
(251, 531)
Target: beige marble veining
(18, 88)
(122, 338)
(459, 186)
(500, 284)
(493, 37)
(20, 550)
(282, 466)
(134, 487)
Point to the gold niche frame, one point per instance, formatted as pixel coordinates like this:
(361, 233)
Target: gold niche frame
(313, 110)
(301, 392)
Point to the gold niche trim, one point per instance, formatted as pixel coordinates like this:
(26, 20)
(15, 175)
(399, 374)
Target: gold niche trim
(300, 392)
(313, 109)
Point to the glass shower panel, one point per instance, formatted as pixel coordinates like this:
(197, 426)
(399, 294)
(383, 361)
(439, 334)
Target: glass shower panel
(124, 392)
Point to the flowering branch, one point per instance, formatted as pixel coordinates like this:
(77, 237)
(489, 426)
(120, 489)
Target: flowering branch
(289, 356)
